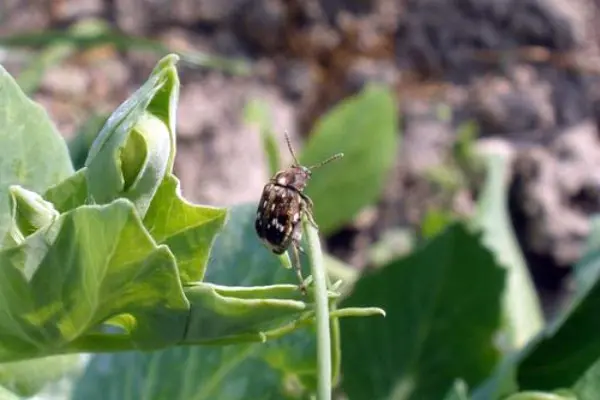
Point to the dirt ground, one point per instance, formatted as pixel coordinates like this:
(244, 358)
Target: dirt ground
(525, 70)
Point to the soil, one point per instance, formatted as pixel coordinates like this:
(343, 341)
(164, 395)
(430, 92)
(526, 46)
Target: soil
(527, 71)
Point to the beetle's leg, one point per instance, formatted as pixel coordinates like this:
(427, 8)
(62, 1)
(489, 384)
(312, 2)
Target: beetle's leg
(308, 209)
(297, 265)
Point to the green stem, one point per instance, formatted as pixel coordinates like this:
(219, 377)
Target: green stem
(321, 313)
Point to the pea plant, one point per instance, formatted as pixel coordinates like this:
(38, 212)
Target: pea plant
(113, 286)
(111, 258)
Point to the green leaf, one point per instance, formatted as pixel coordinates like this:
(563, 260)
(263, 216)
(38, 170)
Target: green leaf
(522, 309)
(187, 229)
(365, 129)
(32, 152)
(91, 264)
(443, 305)
(136, 147)
(244, 371)
(565, 349)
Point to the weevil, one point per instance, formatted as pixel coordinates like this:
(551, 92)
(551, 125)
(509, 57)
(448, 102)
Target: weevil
(282, 206)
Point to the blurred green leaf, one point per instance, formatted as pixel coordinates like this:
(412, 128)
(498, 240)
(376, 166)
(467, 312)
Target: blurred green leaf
(443, 305)
(522, 309)
(566, 349)
(563, 355)
(257, 112)
(365, 128)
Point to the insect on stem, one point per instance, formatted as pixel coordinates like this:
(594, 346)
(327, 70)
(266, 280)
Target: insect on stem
(282, 207)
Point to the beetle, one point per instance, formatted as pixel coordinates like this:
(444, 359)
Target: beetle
(282, 206)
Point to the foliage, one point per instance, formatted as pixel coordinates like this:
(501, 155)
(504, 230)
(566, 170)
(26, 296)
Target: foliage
(111, 257)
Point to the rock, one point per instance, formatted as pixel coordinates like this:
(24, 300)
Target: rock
(502, 105)
(555, 191)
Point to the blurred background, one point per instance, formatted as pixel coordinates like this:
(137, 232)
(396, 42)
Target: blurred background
(518, 74)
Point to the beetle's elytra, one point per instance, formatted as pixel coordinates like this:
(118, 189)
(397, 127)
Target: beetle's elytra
(282, 206)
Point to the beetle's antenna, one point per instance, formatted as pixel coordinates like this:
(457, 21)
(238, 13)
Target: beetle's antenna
(289, 144)
(330, 159)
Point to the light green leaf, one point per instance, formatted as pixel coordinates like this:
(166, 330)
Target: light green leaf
(365, 129)
(443, 305)
(522, 308)
(32, 153)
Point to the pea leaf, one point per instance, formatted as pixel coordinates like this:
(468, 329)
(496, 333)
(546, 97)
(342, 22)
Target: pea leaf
(91, 264)
(365, 129)
(136, 148)
(273, 370)
(443, 305)
(187, 229)
(32, 153)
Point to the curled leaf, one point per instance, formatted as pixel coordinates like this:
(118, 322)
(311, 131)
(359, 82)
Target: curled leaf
(136, 147)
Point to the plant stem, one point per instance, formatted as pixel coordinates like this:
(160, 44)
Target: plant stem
(322, 312)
